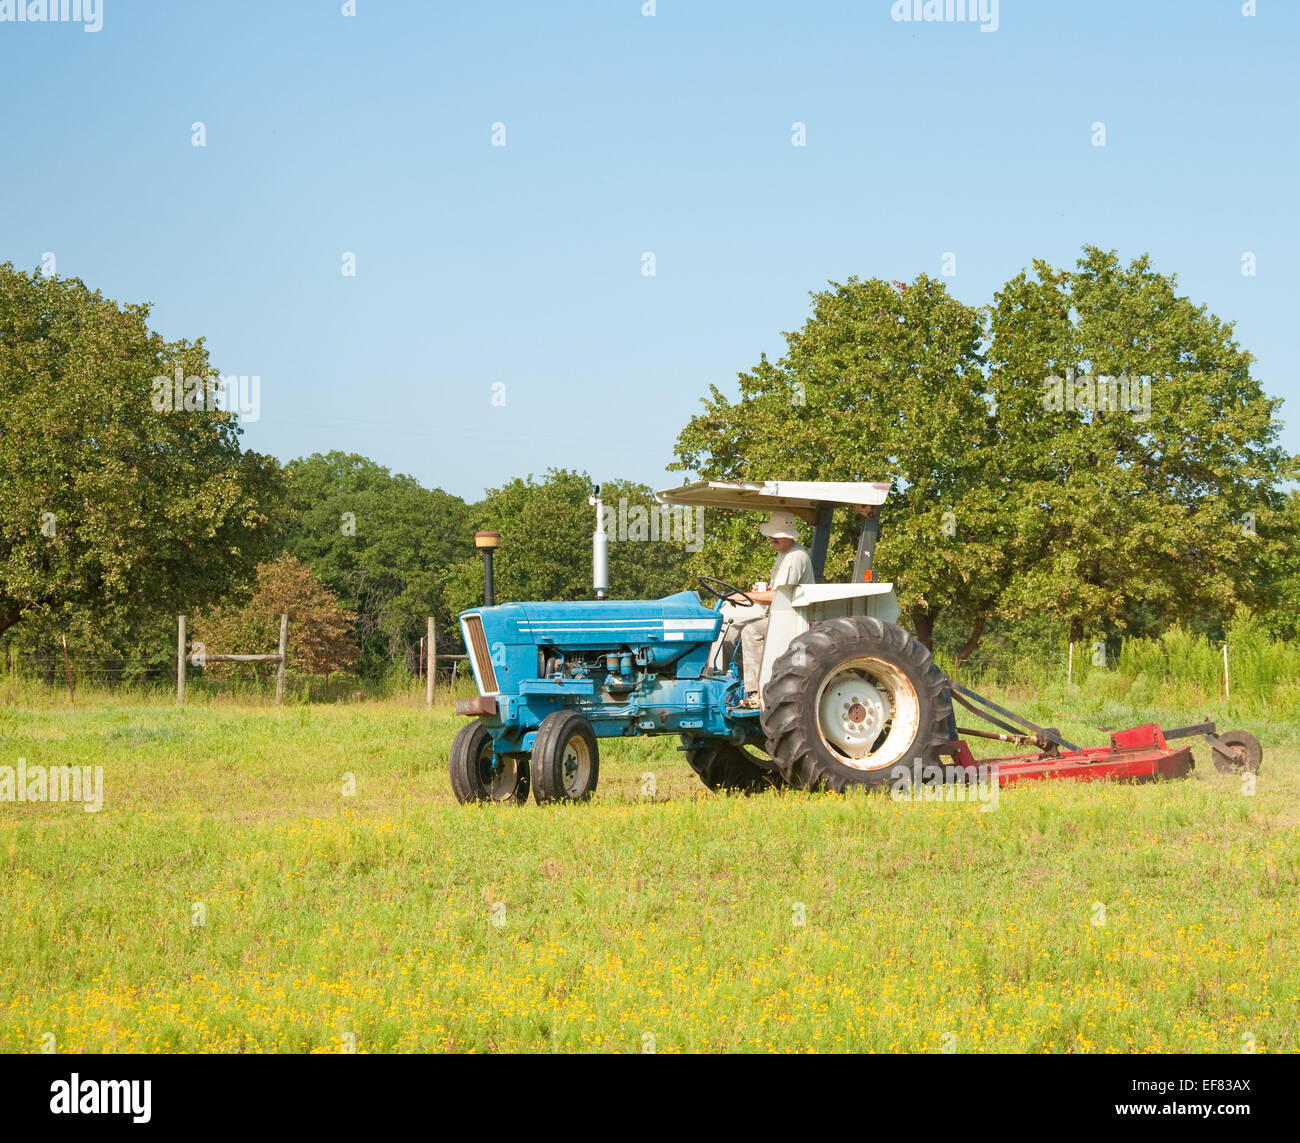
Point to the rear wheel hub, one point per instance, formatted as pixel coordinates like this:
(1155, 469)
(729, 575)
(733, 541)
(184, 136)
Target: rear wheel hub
(867, 713)
(852, 713)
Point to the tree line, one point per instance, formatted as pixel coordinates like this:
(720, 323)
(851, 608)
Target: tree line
(1090, 450)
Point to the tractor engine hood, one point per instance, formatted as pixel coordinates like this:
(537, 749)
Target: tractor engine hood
(504, 641)
(589, 623)
(602, 623)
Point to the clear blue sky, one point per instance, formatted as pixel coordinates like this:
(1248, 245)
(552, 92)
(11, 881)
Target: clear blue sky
(624, 134)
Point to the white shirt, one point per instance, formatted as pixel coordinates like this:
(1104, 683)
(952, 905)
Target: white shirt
(792, 566)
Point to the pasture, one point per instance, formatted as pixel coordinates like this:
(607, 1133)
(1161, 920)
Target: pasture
(300, 879)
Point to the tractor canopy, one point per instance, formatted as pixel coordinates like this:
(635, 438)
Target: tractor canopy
(804, 498)
(813, 500)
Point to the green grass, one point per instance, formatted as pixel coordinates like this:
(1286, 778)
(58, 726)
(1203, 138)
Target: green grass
(672, 917)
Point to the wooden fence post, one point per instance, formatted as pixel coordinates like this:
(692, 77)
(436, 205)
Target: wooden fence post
(432, 643)
(180, 659)
(72, 698)
(284, 656)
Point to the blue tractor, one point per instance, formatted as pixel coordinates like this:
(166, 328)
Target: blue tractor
(845, 695)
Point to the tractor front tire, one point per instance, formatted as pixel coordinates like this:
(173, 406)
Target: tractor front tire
(855, 701)
(723, 767)
(479, 775)
(566, 759)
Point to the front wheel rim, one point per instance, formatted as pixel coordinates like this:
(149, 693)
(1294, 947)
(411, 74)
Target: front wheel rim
(575, 766)
(868, 713)
(498, 773)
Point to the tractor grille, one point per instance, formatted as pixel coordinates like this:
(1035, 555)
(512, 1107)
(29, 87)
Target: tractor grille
(478, 653)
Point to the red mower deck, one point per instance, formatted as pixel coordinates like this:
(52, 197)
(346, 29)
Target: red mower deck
(1139, 754)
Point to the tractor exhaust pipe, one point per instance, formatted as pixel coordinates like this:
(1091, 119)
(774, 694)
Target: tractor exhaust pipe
(599, 548)
(487, 542)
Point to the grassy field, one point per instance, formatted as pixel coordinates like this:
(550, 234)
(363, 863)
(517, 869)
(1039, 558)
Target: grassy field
(377, 911)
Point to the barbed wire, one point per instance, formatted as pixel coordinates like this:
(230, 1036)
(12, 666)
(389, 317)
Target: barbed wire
(85, 659)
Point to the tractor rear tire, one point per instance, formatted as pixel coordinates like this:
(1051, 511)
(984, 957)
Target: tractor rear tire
(479, 775)
(855, 701)
(723, 767)
(566, 759)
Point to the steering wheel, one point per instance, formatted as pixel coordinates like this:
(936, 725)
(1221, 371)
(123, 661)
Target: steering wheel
(725, 592)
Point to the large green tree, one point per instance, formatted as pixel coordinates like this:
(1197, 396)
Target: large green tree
(1280, 553)
(1148, 475)
(115, 512)
(383, 544)
(546, 542)
(1099, 453)
(884, 382)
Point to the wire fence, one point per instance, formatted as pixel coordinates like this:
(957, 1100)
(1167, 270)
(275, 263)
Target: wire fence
(101, 672)
(112, 672)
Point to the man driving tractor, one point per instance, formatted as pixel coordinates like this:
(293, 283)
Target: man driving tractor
(748, 624)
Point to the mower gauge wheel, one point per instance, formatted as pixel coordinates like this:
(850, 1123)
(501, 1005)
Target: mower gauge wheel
(1237, 751)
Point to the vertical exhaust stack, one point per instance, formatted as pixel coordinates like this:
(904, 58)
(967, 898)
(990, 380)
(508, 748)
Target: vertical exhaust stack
(487, 543)
(599, 548)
